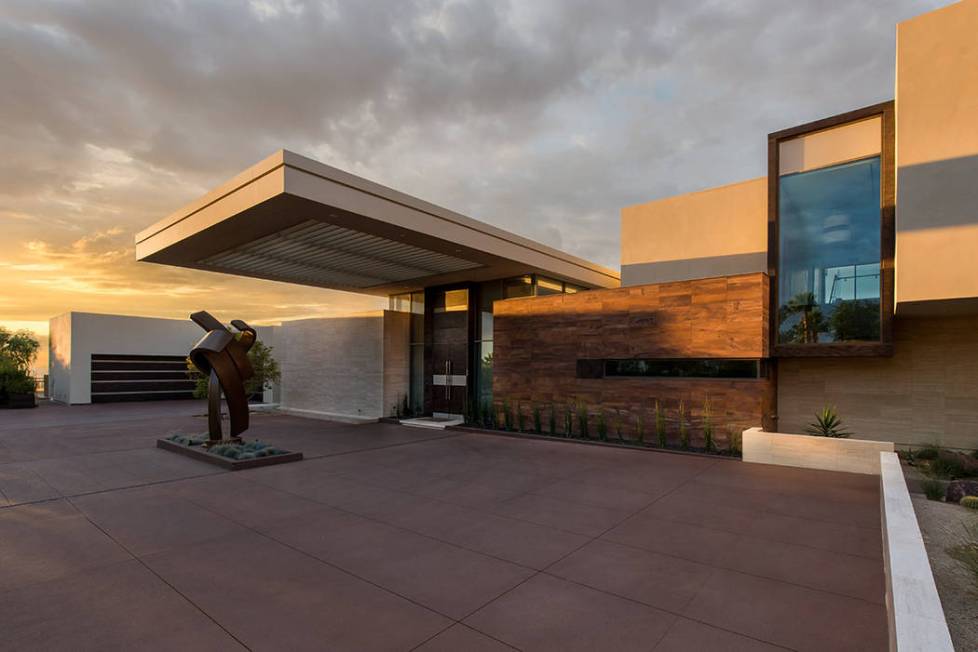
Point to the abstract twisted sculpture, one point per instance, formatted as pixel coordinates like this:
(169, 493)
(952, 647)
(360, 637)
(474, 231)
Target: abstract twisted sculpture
(223, 357)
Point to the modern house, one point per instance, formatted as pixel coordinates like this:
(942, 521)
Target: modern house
(846, 276)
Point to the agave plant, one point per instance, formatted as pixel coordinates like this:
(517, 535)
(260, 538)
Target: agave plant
(827, 424)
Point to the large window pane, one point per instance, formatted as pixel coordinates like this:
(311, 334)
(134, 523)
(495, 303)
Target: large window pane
(829, 255)
(483, 352)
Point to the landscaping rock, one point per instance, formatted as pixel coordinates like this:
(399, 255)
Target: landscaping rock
(958, 489)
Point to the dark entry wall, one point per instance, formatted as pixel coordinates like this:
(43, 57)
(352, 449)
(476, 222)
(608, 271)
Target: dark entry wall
(573, 349)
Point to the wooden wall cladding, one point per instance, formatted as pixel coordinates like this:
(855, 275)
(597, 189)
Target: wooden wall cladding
(537, 342)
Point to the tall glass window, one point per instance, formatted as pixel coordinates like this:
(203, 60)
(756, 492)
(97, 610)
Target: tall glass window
(829, 254)
(413, 302)
(482, 347)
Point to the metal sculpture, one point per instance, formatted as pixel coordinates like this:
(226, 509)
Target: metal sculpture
(223, 357)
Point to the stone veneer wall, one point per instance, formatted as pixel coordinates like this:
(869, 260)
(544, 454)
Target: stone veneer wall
(333, 366)
(539, 340)
(927, 392)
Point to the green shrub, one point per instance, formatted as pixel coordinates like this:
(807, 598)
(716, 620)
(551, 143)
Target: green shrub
(553, 420)
(660, 425)
(582, 421)
(952, 465)
(734, 438)
(971, 502)
(639, 430)
(13, 379)
(618, 426)
(928, 452)
(933, 489)
(568, 420)
(683, 430)
(488, 415)
(537, 420)
(519, 417)
(602, 426)
(827, 424)
(708, 443)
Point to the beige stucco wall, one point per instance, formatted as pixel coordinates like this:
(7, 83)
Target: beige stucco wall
(849, 142)
(926, 393)
(937, 160)
(716, 232)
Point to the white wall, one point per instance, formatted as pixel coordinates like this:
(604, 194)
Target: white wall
(75, 336)
(59, 358)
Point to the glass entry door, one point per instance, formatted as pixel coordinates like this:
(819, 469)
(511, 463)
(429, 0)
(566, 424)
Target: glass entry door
(449, 351)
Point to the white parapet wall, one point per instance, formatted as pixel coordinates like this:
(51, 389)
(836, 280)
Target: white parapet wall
(913, 606)
(805, 451)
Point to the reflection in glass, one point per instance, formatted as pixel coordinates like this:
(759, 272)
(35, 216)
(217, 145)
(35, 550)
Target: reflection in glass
(484, 371)
(829, 256)
(452, 301)
(548, 286)
(521, 286)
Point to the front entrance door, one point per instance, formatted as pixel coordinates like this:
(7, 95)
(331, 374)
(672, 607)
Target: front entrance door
(450, 351)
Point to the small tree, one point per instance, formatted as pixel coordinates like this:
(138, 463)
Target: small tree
(17, 352)
(19, 348)
(267, 371)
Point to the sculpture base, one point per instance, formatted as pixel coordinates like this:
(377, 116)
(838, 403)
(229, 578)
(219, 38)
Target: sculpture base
(198, 452)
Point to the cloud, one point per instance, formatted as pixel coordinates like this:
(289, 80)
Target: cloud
(542, 117)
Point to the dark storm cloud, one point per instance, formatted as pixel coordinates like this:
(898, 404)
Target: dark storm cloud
(543, 117)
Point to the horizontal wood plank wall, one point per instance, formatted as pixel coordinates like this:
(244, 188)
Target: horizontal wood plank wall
(539, 340)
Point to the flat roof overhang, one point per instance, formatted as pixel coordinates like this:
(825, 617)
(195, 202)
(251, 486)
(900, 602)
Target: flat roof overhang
(290, 218)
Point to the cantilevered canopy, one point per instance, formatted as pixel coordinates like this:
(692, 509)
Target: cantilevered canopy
(292, 219)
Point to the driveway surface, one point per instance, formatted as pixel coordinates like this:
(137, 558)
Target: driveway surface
(396, 538)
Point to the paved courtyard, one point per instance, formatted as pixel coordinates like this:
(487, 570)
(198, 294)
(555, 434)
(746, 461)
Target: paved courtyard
(393, 538)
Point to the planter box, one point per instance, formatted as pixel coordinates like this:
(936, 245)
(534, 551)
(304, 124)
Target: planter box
(15, 401)
(201, 454)
(805, 451)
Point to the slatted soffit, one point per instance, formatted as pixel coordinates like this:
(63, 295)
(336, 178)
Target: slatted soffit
(328, 255)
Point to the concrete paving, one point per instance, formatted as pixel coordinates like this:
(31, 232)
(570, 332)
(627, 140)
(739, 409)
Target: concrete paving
(396, 538)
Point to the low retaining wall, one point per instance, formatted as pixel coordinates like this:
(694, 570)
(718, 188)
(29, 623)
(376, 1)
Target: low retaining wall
(805, 451)
(912, 604)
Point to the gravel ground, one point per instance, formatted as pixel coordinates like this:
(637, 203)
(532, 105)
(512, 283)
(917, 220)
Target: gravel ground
(942, 526)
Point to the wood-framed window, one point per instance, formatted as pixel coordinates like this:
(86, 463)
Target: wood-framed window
(831, 235)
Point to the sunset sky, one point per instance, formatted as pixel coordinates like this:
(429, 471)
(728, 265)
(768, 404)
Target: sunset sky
(540, 117)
